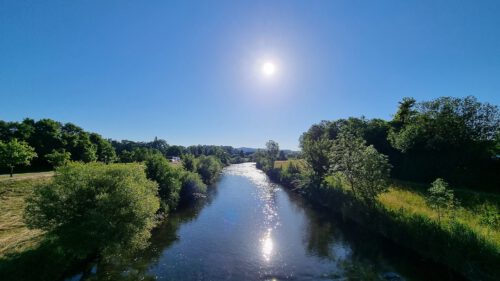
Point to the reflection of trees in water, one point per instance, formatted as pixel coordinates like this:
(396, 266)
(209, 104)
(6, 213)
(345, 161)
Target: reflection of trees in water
(359, 253)
(135, 266)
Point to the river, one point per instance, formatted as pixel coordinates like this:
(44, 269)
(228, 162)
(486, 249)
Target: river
(251, 229)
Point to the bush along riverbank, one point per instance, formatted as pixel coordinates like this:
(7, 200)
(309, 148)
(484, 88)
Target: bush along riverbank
(458, 237)
(90, 211)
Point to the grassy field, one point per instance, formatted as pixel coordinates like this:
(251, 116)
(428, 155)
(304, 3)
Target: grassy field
(284, 164)
(24, 176)
(470, 212)
(14, 235)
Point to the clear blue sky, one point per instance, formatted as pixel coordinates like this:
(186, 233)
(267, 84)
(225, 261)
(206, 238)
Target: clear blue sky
(188, 71)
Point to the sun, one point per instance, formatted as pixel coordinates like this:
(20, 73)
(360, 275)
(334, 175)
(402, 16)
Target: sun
(268, 69)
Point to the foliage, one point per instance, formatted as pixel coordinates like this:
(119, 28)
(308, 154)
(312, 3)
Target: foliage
(490, 217)
(272, 150)
(139, 154)
(315, 149)
(451, 138)
(225, 154)
(14, 153)
(365, 169)
(58, 158)
(189, 162)
(209, 168)
(168, 178)
(95, 208)
(192, 186)
(47, 136)
(105, 151)
(440, 197)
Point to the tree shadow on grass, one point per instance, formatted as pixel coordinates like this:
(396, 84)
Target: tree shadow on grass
(48, 261)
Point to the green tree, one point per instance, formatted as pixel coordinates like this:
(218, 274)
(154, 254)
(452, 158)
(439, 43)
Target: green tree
(58, 158)
(209, 168)
(450, 138)
(126, 156)
(175, 150)
(14, 153)
(86, 151)
(189, 162)
(405, 111)
(141, 154)
(47, 136)
(364, 168)
(272, 151)
(95, 208)
(374, 175)
(440, 197)
(168, 178)
(316, 153)
(105, 152)
(192, 187)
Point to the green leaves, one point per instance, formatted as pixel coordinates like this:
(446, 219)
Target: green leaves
(95, 208)
(440, 197)
(58, 158)
(168, 178)
(15, 153)
(209, 168)
(364, 168)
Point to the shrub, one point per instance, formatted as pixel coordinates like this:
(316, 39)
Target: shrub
(440, 197)
(168, 178)
(189, 162)
(58, 158)
(95, 208)
(364, 168)
(192, 187)
(209, 168)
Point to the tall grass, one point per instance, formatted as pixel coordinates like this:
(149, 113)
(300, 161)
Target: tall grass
(14, 235)
(471, 216)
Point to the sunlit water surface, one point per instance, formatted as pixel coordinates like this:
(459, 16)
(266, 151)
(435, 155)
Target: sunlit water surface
(251, 229)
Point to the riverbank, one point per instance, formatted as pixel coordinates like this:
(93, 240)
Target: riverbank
(91, 194)
(460, 240)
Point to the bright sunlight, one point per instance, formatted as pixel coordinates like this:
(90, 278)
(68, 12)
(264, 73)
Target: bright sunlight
(268, 69)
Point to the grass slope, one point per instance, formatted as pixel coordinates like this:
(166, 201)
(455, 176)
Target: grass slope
(14, 235)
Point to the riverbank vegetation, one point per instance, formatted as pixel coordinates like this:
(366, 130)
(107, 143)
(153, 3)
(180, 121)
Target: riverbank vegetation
(68, 216)
(448, 148)
(88, 211)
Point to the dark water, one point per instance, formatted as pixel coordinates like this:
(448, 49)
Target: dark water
(251, 229)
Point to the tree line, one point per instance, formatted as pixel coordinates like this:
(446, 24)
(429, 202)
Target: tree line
(457, 139)
(32, 145)
(97, 210)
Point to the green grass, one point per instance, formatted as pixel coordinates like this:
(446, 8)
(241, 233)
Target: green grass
(410, 199)
(14, 235)
(286, 163)
(24, 176)
(468, 213)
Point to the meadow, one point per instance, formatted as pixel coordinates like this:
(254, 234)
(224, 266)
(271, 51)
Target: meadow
(15, 237)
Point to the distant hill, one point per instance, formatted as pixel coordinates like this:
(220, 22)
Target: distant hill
(252, 150)
(247, 149)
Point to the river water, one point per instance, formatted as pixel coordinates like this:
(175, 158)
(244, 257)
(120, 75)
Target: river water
(251, 229)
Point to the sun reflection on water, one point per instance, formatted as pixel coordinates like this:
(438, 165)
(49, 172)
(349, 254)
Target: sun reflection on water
(265, 192)
(267, 245)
